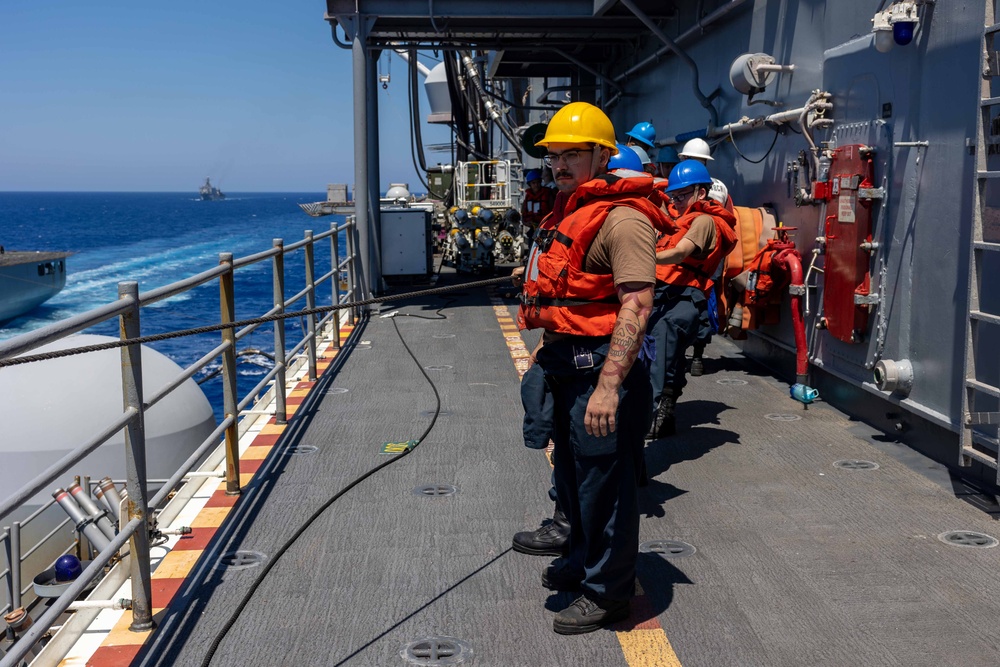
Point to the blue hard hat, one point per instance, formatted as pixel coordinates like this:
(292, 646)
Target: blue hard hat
(687, 173)
(68, 568)
(532, 175)
(644, 133)
(626, 159)
(667, 155)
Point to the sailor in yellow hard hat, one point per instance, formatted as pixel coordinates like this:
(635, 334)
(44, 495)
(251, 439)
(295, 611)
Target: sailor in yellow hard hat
(589, 285)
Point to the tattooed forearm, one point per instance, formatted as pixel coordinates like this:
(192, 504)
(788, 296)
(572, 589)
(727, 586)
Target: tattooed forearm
(637, 303)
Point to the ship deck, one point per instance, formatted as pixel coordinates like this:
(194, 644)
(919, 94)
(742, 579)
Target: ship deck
(796, 562)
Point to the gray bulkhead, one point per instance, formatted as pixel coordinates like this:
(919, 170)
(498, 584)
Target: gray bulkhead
(926, 91)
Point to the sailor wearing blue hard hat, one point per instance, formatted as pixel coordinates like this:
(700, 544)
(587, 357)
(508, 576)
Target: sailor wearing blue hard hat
(643, 134)
(685, 264)
(626, 160)
(666, 158)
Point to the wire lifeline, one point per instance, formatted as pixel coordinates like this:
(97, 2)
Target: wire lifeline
(207, 661)
(110, 345)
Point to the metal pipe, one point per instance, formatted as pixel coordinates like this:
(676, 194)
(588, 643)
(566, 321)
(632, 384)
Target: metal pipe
(112, 496)
(335, 281)
(472, 72)
(82, 543)
(227, 312)
(374, 179)
(278, 293)
(160, 293)
(135, 460)
(26, 642)
(655, 29)
(96, 514)
(14, 562)
(352, 269)
(120, 603)
(310, 267)
(83, 523)
(361, 204)
(240, 262)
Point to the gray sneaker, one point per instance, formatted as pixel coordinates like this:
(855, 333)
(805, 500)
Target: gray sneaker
(586, 615)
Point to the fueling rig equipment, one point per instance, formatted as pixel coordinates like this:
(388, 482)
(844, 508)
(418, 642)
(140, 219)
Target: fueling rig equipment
(484, 224)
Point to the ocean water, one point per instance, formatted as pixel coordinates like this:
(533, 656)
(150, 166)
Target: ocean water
(159, 238)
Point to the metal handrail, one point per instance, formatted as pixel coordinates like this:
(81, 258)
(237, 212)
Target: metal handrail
(128, 306)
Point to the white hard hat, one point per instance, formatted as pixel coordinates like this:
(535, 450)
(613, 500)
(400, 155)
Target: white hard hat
(697, 148)
(641, 152)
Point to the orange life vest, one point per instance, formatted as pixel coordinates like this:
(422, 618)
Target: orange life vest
(693, 272)
(558, 295)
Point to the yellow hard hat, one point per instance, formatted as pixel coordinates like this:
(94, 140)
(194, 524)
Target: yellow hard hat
(580, 123)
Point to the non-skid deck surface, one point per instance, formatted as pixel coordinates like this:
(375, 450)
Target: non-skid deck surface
(797, 562)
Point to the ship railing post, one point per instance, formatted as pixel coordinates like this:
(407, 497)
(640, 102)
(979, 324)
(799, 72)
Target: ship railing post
(82, 543)
(310, 304)
(278, 271)
(13, 544)
(227, 311)
(135, 460)
(335, 269)
(352, 267)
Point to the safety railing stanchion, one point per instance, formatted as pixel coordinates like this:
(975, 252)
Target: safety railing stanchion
(227, 311)
(135, 459)
(335, 282)
(82, 543)
(352, 267)
(278, 282)
(310, 304)
(13, 545)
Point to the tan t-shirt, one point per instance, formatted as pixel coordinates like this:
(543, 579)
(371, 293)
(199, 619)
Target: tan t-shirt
(702, 234)
(624, 247)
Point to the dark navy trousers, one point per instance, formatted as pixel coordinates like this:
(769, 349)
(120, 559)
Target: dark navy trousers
(595, 477)
(674, 325)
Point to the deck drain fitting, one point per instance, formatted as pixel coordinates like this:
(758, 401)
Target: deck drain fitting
(443, 336)
(855, 464)
(435, 490)
(240, 560)
(436, 368)
(436, 651)
(968, 538)
(301, 449)
(337, 390)
(782, 417)
(733, 382)
(667, 548)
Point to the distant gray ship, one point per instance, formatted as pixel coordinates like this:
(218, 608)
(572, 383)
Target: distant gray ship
(209, 192)
(28, 279)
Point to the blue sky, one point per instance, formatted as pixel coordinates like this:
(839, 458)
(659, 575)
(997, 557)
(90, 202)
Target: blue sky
(135, 96)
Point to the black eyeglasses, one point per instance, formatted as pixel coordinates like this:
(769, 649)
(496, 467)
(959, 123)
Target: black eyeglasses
(679, 196)
(570, 158)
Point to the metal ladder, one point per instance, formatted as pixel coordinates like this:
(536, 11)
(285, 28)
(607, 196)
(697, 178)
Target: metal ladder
(980, 399)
